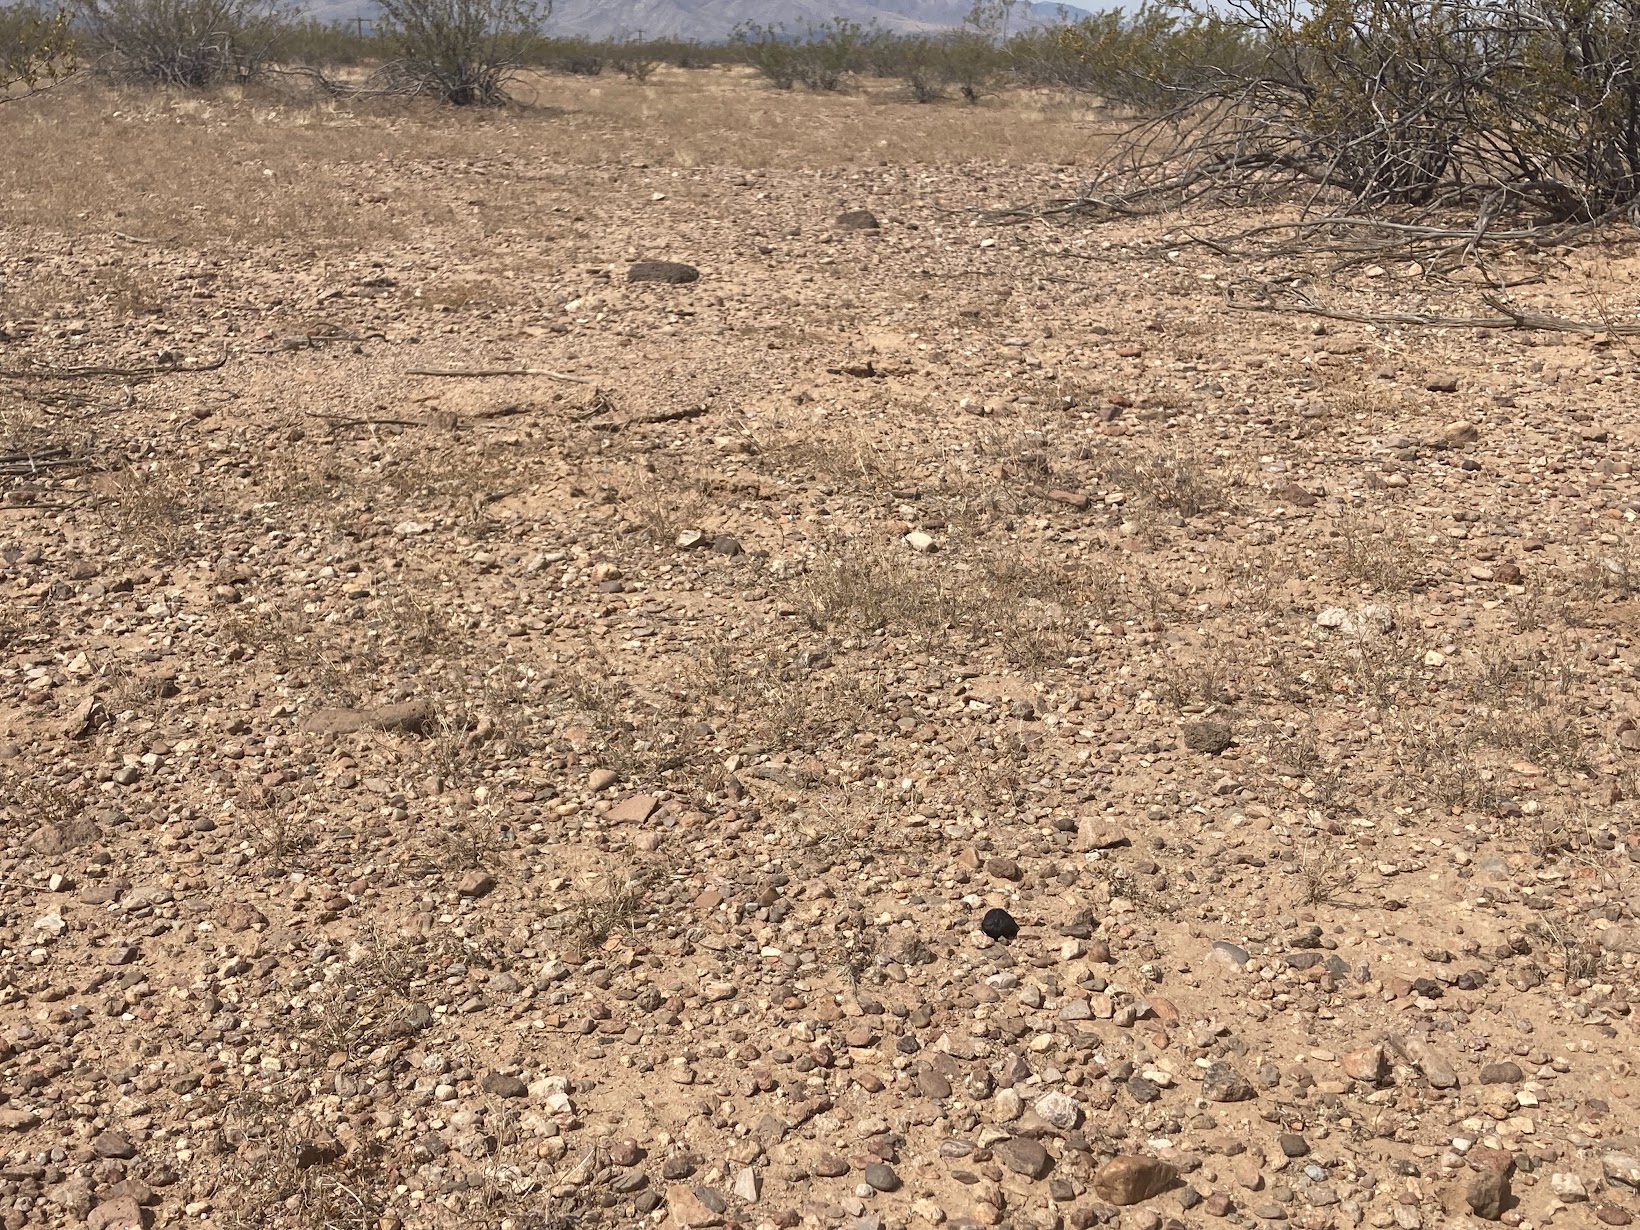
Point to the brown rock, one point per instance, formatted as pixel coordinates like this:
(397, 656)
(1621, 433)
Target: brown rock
(684, 1208)
(1369, 1064)
(53, 839)
(1094, 834)
(239, 916)
(411, 717)
(633, 810)
(476, 883)
(112, 1144)
(1024, 1156)
(122, 1214)
(1488, 1195)
(1132, 1177)
(1207, 737)
(1612, 1214)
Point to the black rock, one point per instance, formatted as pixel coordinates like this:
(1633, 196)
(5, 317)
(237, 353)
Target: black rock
(858, 220)
(674, 273)
(999, 925)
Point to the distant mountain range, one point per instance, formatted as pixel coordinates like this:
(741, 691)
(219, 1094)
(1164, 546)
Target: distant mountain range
(712, 20)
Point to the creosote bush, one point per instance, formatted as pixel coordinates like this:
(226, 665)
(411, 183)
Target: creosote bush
(189, 43)
(36, 50)
(463, 52)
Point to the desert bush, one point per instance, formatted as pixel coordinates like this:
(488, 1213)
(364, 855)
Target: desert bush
(831, 54)
(917, 60)
(1528, 108)
(36, 49)
(1143, 58)
(634, 59)
(188, 43)
(767, 49)
(463, 52)
(578, 57)
(972, 64)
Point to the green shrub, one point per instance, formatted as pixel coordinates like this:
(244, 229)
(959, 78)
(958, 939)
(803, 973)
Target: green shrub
(36, 50)
(463, 52)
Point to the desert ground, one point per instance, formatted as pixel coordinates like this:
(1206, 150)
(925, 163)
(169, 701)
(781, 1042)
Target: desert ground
(572, 798)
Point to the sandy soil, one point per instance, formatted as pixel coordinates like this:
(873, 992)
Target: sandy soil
(573, 798)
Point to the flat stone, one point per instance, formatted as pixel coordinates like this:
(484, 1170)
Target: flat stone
(932, 1085)
(1621, 1168)
(1132, 1177)
(1024, 1156)
(685, 1208)
(122, 1214)
(504, 1085)
(112, 1144)
(634, 809)
(16, 1119)
(672, 273)
(1293, 1145)
(411, 717)
(1232, 957)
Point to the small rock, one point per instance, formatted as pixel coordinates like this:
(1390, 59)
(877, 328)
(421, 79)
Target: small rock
(672, 273)
(112, 1144)
(1232, 957)
(1059, 1109)
(687, 1209)
(1293, 1145)
(932, 1084)
(857, 220)
(1207, 737)
(475, 883)
(727, 544)
(881, 1176)
(633, 810)
(16, 1119)
(1505, 1073)
(919, 541)
(1222, 1083)
(122, 1214)
(1568, 1187)
(601, 779)
(1369, 1064)
(748, 1188)
(829, 1166)
(1611, 1214)
(1025, 1156)
(1003, 868)
(1488, 1195)
(1621, 1168)
(1132, 1177)
(504, 1085)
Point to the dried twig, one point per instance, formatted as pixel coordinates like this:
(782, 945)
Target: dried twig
(479, 373)
(337, 420)
(1512, 318)
(129, 373)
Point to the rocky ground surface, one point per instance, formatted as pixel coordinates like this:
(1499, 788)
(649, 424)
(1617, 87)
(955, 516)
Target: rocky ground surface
(574, 799)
